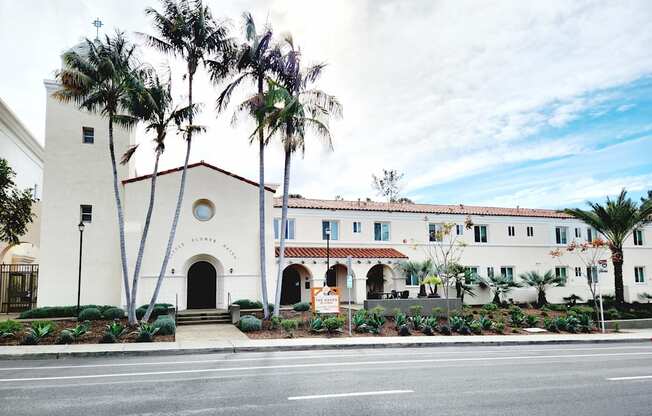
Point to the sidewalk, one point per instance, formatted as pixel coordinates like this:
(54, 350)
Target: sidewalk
(259, 345)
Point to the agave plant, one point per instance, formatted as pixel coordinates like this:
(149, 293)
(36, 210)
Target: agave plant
(78, 330)
(146, 332)
(116, 329)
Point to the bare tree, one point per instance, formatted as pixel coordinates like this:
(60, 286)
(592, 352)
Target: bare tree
(388, 185)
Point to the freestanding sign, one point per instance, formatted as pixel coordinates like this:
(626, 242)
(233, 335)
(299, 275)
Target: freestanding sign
(325, 299)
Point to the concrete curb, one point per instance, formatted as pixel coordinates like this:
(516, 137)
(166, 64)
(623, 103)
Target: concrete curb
(175, 349)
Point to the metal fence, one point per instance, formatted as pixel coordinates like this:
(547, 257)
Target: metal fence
(18, 287)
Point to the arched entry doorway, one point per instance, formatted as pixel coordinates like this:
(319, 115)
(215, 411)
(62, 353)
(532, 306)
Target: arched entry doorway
(375, 280)
(202, 286)
(291, 286)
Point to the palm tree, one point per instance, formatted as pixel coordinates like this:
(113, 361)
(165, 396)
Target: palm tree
(541, 282)
(616, 220)
(304, 108)
(157, 110)
(256, 62)
(188, 31)
(419, 269)
(500, 286)
(102, 78)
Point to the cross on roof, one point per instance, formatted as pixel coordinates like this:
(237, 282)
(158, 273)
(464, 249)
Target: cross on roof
(98, 24)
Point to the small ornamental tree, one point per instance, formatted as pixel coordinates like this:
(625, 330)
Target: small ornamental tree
(15, 206)
(588, 253)
(388, 185)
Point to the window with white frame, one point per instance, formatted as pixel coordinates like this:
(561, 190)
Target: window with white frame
(86, 213)
(590, 234)
(490, 271)
(333, 226)
(592, 274)
(638, 237)
(561, 235)
(511, 231)
(560, 272)
(88, 135)
(473, 271)
(480, 233)
(357, 227)
(508, 272)
(289, 229)
(411, 280)
(459, 229)
(578, 272)
(530, 231)
(639, 274)
(381, 231)
(435, 232)
(578, 232)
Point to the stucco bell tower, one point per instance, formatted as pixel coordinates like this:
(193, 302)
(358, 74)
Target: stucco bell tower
(78, 185)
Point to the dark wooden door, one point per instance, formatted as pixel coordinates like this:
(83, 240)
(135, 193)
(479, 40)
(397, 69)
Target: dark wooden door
(202, 286)
(291, 287)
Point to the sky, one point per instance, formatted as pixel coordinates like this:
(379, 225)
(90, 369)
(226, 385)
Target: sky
(500, 103)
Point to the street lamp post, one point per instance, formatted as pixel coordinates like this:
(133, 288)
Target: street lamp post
(80, 226)
(328, 252)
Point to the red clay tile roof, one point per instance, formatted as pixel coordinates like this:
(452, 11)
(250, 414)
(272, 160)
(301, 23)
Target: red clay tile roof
(343, 252)
(194, 165)
(419, 208)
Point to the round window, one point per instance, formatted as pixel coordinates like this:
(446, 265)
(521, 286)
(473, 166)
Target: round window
(203, 210)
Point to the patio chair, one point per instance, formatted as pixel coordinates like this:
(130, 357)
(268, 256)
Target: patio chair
(404, 294)
(394, 294)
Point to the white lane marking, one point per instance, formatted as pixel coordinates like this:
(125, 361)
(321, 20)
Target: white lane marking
(629, 378)
(323, 364)
(298, 357)
(360, 393)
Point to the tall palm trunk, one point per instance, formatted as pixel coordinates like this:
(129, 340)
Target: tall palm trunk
(284, 220)
(177, 211)
(261, 211)
(617, 260)
(143, 237)
(121, 219)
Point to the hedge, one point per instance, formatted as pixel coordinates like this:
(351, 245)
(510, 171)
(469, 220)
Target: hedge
(159, 309)
(301, 306)
(252, 304)
(59, 311)
(165, 325)
(90, 314)
(249, 323)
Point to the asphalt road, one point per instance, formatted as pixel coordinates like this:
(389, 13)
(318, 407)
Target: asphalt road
(591, 379)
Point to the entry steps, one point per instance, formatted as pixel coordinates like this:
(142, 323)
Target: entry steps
(203, 316)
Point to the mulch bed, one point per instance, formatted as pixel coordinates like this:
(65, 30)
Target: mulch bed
(389, 329)
(93, 336)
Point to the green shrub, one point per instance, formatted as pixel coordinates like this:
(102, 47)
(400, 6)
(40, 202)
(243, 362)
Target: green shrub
(359, 320)
(616, 327)
(301, 307)
(581, 310)
(30, 338)
(275, 322)
(490, 307)
(248, 304)
(9, 328)
(59, 311)
(531, 321)
(561, 322)
(316, 324)
(572, 324)
(476, 327)
(457, 323)
(90, 314)
(146, 332)
(550, 324)
(375, 321)
(417, 321)
(249, 323)
(116, 330)
(415, 310)
(499, 327)
(333, 324)
(585, 323)
(114, 313)
(65, 337)
(438, 312)
(289, 326)
(556, 307)
(428, 330)
(612, 313)
(517, 317)
(42, 328)
(159, 309)
(399, 320)
(378, 310)
(165, 325)
(78, 330)
(485, 323)
(444, 329)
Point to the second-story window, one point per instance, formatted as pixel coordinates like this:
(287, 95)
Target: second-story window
(638, 237)
(530, 231)
(289, 228)
(511, 231)
(435, 232)
(88, 135)
(578, 272)
(86, 213)
(590, 235)
(459, 229)
(561, 235)
(357, 227)
(480, 233)
(333, 226)
(639, 275)
(381, 231)
(578, 232)
(592, 274)
(560, 272)
(490, 272)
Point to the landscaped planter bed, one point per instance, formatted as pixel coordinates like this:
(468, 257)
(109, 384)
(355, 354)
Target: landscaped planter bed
(96, 330)
(389, 328)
